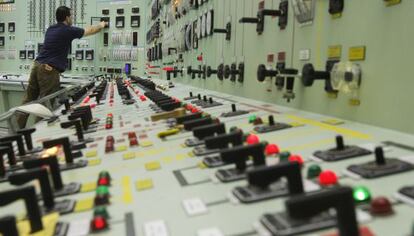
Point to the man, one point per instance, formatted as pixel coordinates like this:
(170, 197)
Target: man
(52, 60)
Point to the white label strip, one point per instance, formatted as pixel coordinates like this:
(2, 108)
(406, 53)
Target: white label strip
(194, 206)
(155, 228)
(78, 228)
(210, 232)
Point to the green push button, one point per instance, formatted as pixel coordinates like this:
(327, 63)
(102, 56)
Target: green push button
(252, 118)
(361, 194)
(314, 171)
(102, 190)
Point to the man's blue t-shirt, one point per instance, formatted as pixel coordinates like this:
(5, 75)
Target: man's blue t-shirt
(58, 40)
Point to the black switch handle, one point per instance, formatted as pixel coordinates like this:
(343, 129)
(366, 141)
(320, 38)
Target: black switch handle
(240, 154)
(193, 116)
(339, 142)
(309, 75)
(7, 149)
(209, 130)
(18, 139)
(263, 72)
(224, 140)
(65, 145)
(379, 156)
(191, 124)
(39, 174)
(265, 175)
(27, 134)
(340, 198)
(53, 165)
(78, 127)
(2, 167)
(8, 226)
(83, 116)
(252, 20)
(28, 194)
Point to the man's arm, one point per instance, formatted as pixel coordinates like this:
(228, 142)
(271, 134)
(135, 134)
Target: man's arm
(91, 30)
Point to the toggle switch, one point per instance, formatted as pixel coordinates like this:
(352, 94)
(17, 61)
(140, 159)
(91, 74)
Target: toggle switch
(66, 103)
(7, 149)
(8, 226)
(202, 132)
(381, 166)
(226, 31)
(282, 13)
(191, 124)
(341, 151)
(28, 195)
(271, 126)
(239, 156)
(59, 188)
(27, 134)
(18, 138)
(214, 144)
(69, 162)
(234, 112)
(264, 182)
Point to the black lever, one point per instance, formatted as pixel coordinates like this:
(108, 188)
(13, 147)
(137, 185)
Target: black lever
(54, 169)
(340, 198)
(83, 116)
(39, 174)
(226, 31)
(15, 138)
(65, 145)
(223, 140)
(27, 134)
(209, 130)
(309, 75)
(78, 127)
(259, 20)
(28, 194)
(240, 154)
(191, 124)
(8, 226)
(265, 175)
(67, 105)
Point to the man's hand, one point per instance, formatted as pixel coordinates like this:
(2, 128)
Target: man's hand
(103, 24)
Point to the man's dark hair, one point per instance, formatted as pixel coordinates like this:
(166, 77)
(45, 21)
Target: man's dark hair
(61, 13)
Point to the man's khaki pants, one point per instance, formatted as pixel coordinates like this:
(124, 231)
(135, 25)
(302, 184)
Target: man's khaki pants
(44, 80)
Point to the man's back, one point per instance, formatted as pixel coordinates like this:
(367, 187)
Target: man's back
(56, 46)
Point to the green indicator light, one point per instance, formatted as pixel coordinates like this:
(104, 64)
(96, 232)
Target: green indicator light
(102, 190)
(361, 194)
(101, 211)
(252, 119)
(284, 156)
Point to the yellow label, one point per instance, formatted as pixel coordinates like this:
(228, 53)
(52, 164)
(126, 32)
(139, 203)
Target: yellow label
(91, 153)
(88, 187)
(84, 205)
(128, 155)
(154, 165)
(191, 154)
(144, 184)
(139, 154)
(354, 102)
(167, 159)
(296, 124)
(333, 122)
(49, 222)
(121, 148)
(180, 157)
(146, 143)
(392, 2)
(126, 190)
(94, 162)
(201, 165)
(334, 51)
(356, 53)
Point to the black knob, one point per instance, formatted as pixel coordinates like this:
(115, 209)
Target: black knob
(309, 75)
(340, 143)
(210, 100)
(227, 71)
(271, 120)
(340, 198)
(233, 107)
(263, 72)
